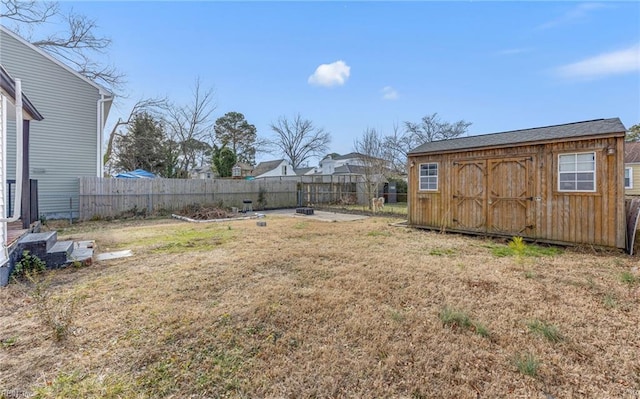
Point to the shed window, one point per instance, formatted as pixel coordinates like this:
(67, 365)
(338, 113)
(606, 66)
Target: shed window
(577, 172)
(628, 178)
(429, 176)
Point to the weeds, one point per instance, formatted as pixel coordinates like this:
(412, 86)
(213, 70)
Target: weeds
(610, 301)
(378, 234)
(629, 278)
(527, 364)
(56, 313)
(517, 247)
(549, 331)
(29, 265)
(442, 251)
(8, 342)
(458, 319)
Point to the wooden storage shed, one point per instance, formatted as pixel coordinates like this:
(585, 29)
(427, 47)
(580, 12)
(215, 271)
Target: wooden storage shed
(559, 184)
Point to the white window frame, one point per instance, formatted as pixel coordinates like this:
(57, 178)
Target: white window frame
(630, 169)
(437, 176)
(594, 171)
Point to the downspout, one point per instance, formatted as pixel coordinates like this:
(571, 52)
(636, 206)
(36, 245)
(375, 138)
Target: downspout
(19, 171)
(99, 134)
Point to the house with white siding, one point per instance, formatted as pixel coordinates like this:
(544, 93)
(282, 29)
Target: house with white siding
(68, 143)
(275, 168)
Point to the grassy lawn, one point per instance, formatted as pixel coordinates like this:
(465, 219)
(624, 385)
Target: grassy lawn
(303, 308)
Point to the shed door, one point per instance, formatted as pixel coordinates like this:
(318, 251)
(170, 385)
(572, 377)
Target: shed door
(469, 195)
(510, 204)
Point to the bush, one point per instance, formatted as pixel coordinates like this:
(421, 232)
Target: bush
(28, 265)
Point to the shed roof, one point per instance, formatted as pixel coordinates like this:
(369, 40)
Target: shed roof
(631, 152)
(525, 136)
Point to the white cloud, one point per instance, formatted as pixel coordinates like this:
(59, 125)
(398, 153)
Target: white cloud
(389, 93)
(334, 74)
(575, 14)
(613, 63)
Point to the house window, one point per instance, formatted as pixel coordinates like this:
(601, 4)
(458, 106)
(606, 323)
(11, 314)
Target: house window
(284, 170)
(236, 171)
(577, 172)
(429, 176)
(628, 178)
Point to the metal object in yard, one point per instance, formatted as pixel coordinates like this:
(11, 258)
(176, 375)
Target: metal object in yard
(247, 205)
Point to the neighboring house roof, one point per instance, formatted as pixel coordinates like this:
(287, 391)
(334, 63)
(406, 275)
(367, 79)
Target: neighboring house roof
(631, 152)
(547, 133)
(202, 168)
(101, 89)
(136, 174)
(264, 167)
(350, 155)
(8, 84)
(302, 171)
(243, 166)
(350, 170)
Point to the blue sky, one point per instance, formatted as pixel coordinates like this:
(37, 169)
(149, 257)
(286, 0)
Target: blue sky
(349, 66)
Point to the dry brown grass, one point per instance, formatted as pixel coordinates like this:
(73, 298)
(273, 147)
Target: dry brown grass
(301, 309)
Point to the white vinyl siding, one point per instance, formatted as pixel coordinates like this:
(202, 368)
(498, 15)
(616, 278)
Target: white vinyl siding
(628, 178)
(63, 146)
(429, 176)
(577, 172)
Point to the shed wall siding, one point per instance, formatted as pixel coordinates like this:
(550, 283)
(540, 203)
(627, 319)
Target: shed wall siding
(64, 145)
(593, 218)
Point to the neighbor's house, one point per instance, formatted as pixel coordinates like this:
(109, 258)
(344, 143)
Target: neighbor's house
(204, 171)
(241, 170)
(68, 143)
(10, 97)
(562, 184)
(334, 163)
(276, 168)
(632, 168)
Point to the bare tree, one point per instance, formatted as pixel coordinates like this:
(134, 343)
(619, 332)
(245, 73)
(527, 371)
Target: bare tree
(430, 128)
(374, 158)
(190, 126)
(151, 106)
(298, 139)
(76, 46)
(28, 12)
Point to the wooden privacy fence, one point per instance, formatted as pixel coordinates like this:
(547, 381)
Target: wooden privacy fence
(110, 197)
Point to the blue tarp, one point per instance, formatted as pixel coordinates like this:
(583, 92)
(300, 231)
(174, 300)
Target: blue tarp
(136, 174)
